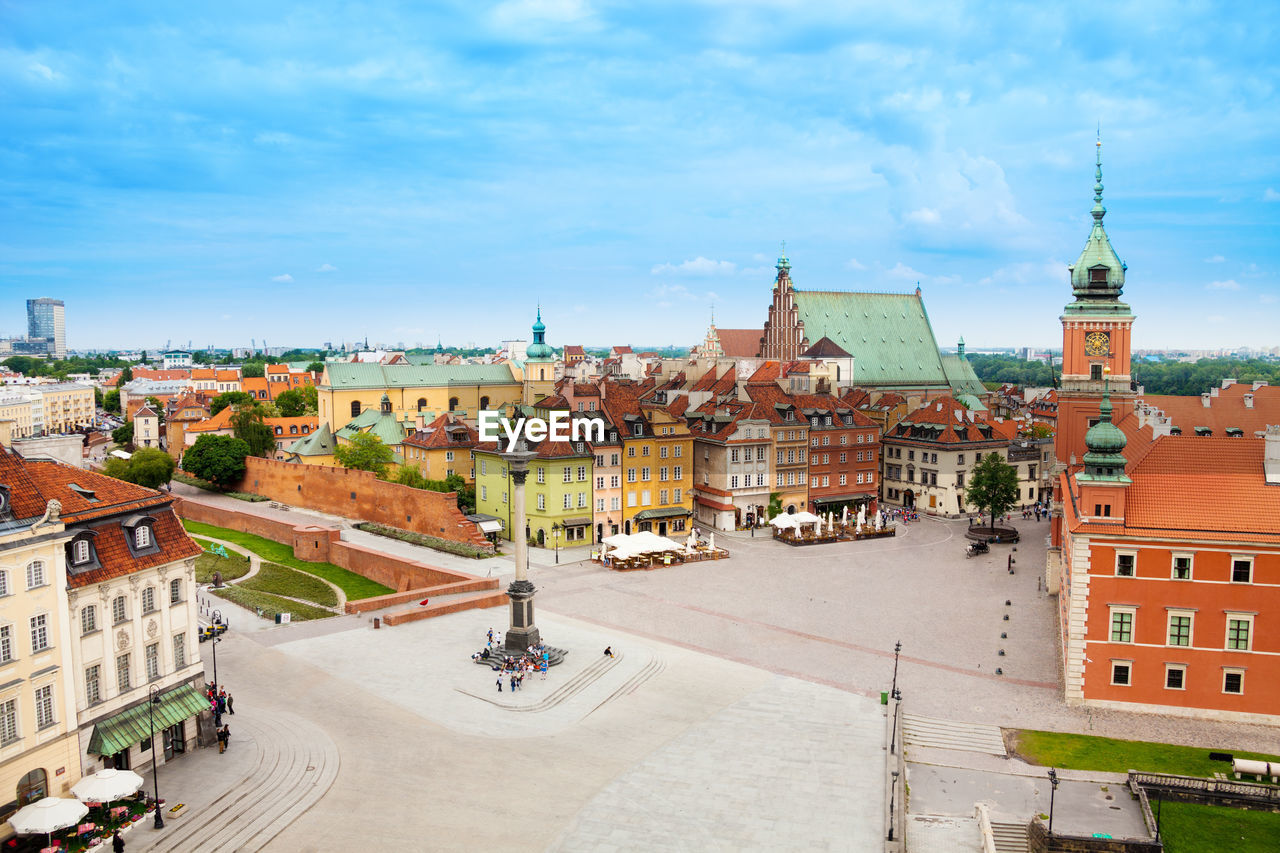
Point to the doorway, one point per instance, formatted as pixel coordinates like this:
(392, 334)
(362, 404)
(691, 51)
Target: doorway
(909, 499)
(662, 528)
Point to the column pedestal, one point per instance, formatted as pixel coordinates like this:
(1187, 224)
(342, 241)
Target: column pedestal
(523, 633)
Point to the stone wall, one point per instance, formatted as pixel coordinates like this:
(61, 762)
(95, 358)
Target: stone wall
(1039, 841)
(320, 544)
(362, 496)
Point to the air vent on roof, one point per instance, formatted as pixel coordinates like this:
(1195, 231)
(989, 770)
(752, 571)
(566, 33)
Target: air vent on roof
(87, 494)
(1204, 431)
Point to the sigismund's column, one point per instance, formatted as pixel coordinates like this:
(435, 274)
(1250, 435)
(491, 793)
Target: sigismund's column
(522, 634)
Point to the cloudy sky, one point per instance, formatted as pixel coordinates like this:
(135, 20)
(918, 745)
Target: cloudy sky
(215, 172)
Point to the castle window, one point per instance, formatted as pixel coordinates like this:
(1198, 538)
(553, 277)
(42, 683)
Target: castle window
(1098, 276)
(355, 408)
(1095, 372)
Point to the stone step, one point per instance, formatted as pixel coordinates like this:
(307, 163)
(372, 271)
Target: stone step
(949, 734)
(1010, 837)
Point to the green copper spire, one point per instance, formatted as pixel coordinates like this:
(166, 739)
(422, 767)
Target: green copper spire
(1106, 443)
(783, 262)
(1098, 210)
(1097, 276)
(539, 349)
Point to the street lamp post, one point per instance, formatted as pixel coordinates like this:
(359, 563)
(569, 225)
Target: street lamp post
(893, 733)
(897, 647)
(893, 789)
(1053, 782)
(555, 532)
(153, 695)
(217, 618)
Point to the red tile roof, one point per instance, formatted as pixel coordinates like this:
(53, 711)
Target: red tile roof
(446, 431)
(1226, 409)
(740, 343)
(111, 546)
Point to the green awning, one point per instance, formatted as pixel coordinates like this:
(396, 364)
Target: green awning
(667, 512)
(133, 725)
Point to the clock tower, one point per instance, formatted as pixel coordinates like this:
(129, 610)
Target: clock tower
(1096, 331)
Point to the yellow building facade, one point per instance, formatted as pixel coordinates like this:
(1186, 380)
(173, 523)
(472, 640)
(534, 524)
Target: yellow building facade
(67, 406)
(415, 391)
(17, 408)
(657, 473)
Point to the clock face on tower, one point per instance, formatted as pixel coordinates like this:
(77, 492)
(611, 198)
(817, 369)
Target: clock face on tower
(1097, 344)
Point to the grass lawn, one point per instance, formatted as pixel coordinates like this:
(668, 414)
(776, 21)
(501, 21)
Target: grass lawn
(234, 566)
(1085, 752)
(271, 604)
(355, 586)
(282, 580)
(1192, 828)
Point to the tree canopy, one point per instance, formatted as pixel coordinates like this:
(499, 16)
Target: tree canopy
(253, 369)
(291, 403)
(993, 486)
(147, 467)
(410, 476)
(157, 407)
(123, 434)
(216, 458)
(366, 452)
(315, 367)
(247, 425)
(111, 401)
(229, 398)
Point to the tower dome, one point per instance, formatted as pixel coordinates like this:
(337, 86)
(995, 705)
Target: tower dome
(1098, 274)
(1106, 444)
(539, 350)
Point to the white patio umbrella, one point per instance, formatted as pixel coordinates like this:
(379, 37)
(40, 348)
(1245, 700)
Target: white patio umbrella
(782, 522)
(711, 540)
(691, 541)
(47, 816)
(844, 515)
(107, 785)
(806, 518)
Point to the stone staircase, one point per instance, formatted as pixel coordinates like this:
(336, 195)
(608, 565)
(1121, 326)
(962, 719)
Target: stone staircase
(1010, 837)
(949, 734)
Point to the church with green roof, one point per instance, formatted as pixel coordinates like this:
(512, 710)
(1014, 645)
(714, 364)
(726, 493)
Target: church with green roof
(887, 334)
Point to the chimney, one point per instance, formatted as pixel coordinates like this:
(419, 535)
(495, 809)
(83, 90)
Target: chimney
(1227, 383)
(1259, 383)
(1248, 401)
(1205, 400)
(1271, 456)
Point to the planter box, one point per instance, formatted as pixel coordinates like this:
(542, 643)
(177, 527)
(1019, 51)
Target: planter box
(178, 810)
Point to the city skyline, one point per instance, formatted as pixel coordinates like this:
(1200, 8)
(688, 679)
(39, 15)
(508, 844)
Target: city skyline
(326, 177)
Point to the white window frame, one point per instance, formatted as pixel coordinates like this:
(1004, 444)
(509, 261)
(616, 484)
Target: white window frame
(39, 625)
(1172, 667)
(124, 610)
(36, 574)
(179, 650)
(151, 659)
(142, 536)
(4, 584)
(88, 619)
(45, 707)
(6, 643)
(9, 731)
(80, 551)
(148, 599)
(175, 591)
(1226, 637)
(1125, 663)
(1233, 670)
(1173, 566)
(1126, 553)
(1117, 610)
(1249, 558)
(1168, 628)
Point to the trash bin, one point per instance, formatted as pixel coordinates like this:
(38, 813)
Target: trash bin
(884, 697)
(377, 623)
(277, 618)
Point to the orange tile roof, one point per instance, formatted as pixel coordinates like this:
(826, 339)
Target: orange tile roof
(446, 431)
(740, 343)
(1226, 409)
(116, 560)
(220, 421)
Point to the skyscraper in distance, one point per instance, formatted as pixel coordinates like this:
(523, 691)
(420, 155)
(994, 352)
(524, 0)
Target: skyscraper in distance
(46, 318)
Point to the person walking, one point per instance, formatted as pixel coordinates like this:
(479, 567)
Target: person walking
(222, 741)
(117, 843)
(231, 704)
(499, 681)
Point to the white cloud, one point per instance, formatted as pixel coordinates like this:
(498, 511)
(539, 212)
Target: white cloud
(283, 278)
(913, 276)
(273, 137)
(1229, 284)
(326, 268)
(854, 264)
(924, 216)
(697, 266)
(1215, 259)
(42, 70)
(531, 18)
(1270, 195)
(1268, 299)
(1051, 272)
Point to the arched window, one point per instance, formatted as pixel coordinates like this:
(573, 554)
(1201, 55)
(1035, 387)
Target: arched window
(453, 404)
(34, 786)
(81, 551)
(422, 403)
(4, 583)
(484, 402)
(175, 590)
(35, 574)
(355, 408)
(542, 373)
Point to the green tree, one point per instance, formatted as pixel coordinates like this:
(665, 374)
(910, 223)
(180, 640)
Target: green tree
(253, 370)
(229, 398)
(111, 401)
(366, 452)
(23, 364)
(144, 356)
(126, 376)
(292, 403)
(315, 367)
(993, 486)
(147, 467)
(216, 458)
(311, 395)
(123, 434)
(1040, 431)
(775, 505)
(248, 426)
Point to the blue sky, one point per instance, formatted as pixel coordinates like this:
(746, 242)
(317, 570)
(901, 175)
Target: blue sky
(326, 171)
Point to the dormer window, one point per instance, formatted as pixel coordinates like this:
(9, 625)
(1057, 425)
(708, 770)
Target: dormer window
(80, 553)
(140, 533)
(142, 537)
(638, 429)
(1098, 277)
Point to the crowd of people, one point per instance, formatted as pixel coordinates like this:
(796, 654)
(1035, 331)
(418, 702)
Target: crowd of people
(220, 702)
(512, 668)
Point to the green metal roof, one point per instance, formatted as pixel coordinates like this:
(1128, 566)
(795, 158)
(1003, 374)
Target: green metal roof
(665, 512)
(383, 425)
(962, 379)
(318, 443)
(888, 334)
(348, 376)
(131, 726)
